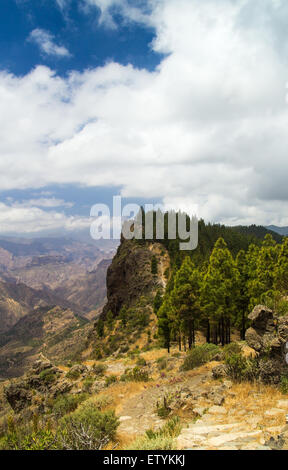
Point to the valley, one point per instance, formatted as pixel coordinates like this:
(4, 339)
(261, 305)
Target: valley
(135, 343)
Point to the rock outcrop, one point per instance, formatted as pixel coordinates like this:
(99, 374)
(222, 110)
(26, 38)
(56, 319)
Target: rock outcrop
(268, 336)
(129, 276)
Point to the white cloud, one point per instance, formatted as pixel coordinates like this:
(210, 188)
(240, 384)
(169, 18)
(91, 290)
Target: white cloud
(45, 41)
(44, 202)
(135, 11)
(207, 129)
(21, 219)
(62, 3)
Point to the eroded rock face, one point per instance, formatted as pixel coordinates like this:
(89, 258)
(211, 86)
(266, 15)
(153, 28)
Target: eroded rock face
(262, 331)
(18, 395)
(129, 276)
(43, 378)
(267, 336)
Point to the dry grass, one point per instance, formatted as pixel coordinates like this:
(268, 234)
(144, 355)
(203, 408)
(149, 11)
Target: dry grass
(123, 391)
(255, 400)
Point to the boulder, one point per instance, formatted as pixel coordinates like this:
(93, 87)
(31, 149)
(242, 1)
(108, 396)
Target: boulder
(262, 331)
(254, 339)
(218, 400)
(40, 365)
(61, 387)
(280, 442)
(270, 370)
(18, 395)
(219, 372)
(267, 337)
(262, 318)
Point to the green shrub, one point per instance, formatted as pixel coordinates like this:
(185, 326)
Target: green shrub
(47, 376)
(157, 443)
(240, 368)
(99, 401)
(87, 428)
(64, 404)
(229, 349)
(200, 355)
(284, 384)
(28, 436)
(163, 439)
(154, 265)
(163, 409)
(97, 354)
(110, 379)
(135, 375)
(87, 384)
(99, 369)
(73, 374)
(141, 362)
(162, 363)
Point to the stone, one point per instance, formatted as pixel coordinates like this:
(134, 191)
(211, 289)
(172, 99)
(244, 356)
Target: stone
(199, 429)
(199, 411)
(60, 388)
(18, 396)
(224, 438)
(219, 371)
(78, 369)
(40, 365)
(218, 400)
(282, 404)
(255, 447)
(274, 412)
(124, 418)
(270, 370)
(253, 339)
(217, 410)
(261, 316)
(228, 384)
(274, 430)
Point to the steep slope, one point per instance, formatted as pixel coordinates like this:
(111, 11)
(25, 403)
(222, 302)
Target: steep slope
(56, 332)
(129, 276)
(70, 270)
(17, 300)
(87, 291)
(132, 283)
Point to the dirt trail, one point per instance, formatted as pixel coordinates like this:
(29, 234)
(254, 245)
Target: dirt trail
(246, 419)
(138, 413)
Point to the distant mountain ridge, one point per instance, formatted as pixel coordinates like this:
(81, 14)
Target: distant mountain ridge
(281, 230)
(71, 271)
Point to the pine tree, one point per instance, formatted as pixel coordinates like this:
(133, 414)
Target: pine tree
(165, 313)
(261, 281)
(100, 328)
(154, 265)
(123, 315)
(242, 298)
(281, 269)
(219, 291)
(158, 300)
(185, 299)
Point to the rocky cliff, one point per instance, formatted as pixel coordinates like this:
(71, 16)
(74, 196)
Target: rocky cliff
(129, 276)
(268, 337)
(137, 272)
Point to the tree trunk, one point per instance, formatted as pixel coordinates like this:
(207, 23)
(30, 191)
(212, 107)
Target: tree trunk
(243, 326)
(222, 332)
(208, 331)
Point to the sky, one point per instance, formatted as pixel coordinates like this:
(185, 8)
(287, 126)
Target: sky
(182, 102)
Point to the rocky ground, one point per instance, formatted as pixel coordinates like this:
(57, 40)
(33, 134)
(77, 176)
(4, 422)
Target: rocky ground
(215, 412)
(215, 415)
